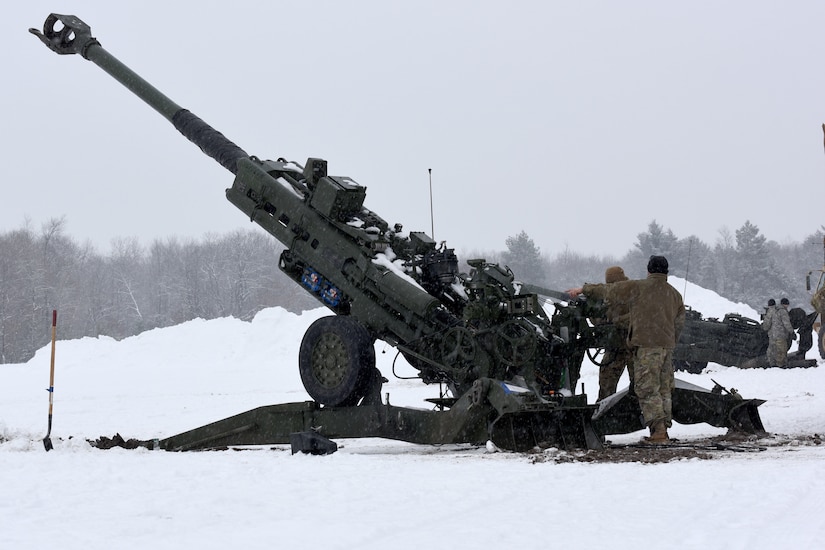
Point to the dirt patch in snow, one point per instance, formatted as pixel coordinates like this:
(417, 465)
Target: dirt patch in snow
(701, 449)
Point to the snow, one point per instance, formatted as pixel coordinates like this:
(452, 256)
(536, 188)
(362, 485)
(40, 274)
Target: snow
(372, 493)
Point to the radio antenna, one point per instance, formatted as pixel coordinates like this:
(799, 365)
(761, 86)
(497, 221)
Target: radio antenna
(432, 223)
(687, 266)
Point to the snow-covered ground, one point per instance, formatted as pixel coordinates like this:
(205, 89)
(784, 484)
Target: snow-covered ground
(372, 493)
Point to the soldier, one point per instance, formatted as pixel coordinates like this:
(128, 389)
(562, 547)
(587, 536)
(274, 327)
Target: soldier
(803, 324)
(780, 332)
(818, 301)
(657, 316)
(767, 318)
(617, 353)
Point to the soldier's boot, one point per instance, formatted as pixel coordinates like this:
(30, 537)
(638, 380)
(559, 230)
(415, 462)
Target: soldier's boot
(658, 433)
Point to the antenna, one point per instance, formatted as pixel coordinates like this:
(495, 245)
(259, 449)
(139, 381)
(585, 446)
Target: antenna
(432, 223)
(687, 267)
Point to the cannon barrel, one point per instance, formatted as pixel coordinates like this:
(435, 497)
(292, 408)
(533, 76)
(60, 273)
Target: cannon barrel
(66, 34)
(335, 247)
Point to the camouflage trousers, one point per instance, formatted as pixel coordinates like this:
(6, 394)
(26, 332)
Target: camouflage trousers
(778, 352)
(613, 364)
(654, 383)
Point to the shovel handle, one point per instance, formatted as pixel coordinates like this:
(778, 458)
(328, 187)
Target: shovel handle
(51, 368)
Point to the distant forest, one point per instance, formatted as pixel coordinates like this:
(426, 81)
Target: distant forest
(136, 288)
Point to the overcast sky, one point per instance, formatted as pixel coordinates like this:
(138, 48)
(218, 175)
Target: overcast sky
(578, 123)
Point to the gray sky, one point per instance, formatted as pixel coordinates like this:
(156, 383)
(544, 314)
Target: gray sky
(577, 122)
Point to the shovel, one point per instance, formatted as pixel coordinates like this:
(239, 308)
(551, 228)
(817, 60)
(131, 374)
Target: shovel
(47, 442)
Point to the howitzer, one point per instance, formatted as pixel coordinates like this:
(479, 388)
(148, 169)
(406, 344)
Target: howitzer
(736, 341)
(731, 342)
(511, 369)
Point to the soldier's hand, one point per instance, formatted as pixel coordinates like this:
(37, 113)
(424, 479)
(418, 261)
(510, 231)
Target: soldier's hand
(574, 292)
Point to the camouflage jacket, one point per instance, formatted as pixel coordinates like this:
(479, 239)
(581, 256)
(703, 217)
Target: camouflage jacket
(619, 316)
(767, 320)
(657, 312)
(777, 323)
(818, 301)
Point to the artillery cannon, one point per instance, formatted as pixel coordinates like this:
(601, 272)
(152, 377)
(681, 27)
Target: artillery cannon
(511, 370)
(733, 341)
(736, 341)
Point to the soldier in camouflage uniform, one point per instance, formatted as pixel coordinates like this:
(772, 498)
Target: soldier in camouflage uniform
(617, 353)
(657, 316)
(777, 323)
(818, 301)
(767, 323)
(770, 310)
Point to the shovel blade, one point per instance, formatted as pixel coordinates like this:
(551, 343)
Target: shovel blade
(48, 444)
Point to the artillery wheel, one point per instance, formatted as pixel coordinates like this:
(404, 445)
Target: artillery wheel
(693, 367)
(516, 342)
(336, 360)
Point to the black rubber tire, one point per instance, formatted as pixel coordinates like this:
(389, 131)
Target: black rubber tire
(336, 359)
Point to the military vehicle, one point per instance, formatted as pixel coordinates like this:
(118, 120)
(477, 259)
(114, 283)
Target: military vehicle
(510, 368)
(818, 299)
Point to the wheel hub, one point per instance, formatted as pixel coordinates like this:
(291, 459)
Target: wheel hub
(329, 360)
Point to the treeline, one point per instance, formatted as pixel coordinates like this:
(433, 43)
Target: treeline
(742, 266)
(133, 289)
(136, 288)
